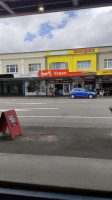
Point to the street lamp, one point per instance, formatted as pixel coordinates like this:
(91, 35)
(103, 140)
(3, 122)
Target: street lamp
(41, 9)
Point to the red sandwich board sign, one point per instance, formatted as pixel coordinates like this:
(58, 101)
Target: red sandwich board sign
(9, 120)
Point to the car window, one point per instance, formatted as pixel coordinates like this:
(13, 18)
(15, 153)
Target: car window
(66, 136)
(82, 90)
(77, 89)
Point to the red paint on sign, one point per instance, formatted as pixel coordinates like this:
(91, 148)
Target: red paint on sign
(84, 51)
(53, 73)
(75, 73)
(9, 120)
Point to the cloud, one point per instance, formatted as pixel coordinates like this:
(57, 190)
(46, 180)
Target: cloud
(30, 37)
(45, 30)
(60, 30)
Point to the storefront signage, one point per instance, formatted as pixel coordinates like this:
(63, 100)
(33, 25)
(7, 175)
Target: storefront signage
(75, 73)
(84, 51)
(89, 77)
(104, 72)
(89, 73)
(53, 73)
(57, 53)
(25, 75)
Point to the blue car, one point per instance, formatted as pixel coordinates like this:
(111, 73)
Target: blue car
(81, 92)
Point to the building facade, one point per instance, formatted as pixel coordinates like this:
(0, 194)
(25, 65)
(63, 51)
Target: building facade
(104, 72)
(81, 63)
(39, 73)
(19, 73)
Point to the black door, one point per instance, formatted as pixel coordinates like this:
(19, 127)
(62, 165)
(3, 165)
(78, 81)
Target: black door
(58, 89)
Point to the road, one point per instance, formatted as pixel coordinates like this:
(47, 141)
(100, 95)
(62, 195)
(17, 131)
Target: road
(60, 112)
(65, 142)
(61, 127)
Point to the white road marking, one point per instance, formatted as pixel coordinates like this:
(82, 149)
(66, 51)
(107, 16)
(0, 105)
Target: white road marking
(43, 108)
(30, 103)
(4, 110)
(66, 117)
(28, 109)
(22, 103)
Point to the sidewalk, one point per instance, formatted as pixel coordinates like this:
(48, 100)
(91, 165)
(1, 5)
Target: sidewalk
(70, 172)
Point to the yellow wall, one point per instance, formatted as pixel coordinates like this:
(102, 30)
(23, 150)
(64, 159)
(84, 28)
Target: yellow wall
(91, 57)
(72, 61)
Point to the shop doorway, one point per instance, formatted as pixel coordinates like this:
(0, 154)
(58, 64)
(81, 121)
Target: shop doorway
(66, 89)
(107, 87)
(59, 89)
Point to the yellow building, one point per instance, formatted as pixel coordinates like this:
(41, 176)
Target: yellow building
(75, 60)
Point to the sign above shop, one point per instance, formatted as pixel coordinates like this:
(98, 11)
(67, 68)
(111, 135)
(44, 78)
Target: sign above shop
(89, 73)
(104, 72)
(25, 75)
(84, 51)
(53, 73)
(6, 76)
(75, 73)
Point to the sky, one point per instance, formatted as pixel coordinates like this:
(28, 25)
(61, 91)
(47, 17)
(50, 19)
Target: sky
(56, 31)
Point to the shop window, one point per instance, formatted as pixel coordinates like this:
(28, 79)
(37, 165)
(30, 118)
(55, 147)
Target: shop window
(108, 64)
(34, 67)
(83, 65)
(34, 86)
(13, 87)
(12, 69)
(58, 65)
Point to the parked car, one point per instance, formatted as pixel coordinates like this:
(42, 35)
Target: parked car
(81, 92)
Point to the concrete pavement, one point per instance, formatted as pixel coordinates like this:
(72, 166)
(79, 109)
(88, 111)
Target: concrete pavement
(72, 172)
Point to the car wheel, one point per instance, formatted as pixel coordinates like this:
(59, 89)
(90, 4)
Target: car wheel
(90, 96)
(72, 96)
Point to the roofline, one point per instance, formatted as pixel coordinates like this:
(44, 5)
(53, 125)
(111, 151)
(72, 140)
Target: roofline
(54, 50)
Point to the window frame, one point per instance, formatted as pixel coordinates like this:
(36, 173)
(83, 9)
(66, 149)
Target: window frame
(58, 65)
(83, 62)
(8, 69)
(107, 61)
(32, 65)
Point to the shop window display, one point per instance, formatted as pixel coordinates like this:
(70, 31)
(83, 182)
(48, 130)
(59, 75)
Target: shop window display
(34, 86)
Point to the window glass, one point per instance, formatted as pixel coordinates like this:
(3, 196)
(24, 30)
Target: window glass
(12, 68)
(34, 86)
(34, 67)
(108, 64)
(82, 90)
(77, 89)
(83, 65)
(59, 65)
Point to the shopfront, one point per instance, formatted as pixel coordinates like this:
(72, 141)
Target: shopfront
(77, 80)
(90, 80)
(11, 88)
(57, 81)
(35, 87)
(59, 87)
(105, 81)
(60, 82)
